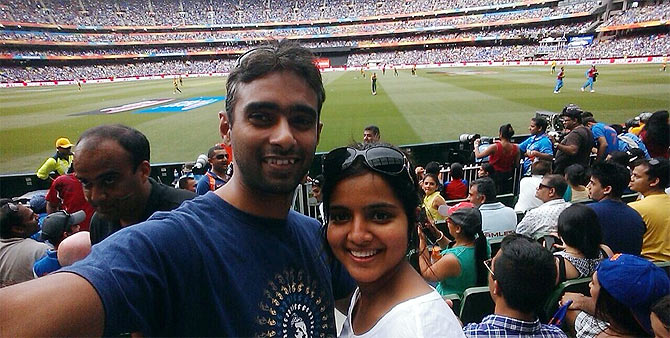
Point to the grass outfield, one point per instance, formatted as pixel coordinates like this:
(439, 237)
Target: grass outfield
(436, 105)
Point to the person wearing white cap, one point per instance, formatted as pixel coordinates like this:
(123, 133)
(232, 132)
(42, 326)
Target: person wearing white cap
(59, 163)
(55, 228)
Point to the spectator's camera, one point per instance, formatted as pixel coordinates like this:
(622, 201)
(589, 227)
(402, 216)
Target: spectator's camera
(201, 165)
(468, 138)
(555, 134)
(485, 140)
(554, 123)
(634, 122)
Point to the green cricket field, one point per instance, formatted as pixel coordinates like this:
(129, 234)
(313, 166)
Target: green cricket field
(436, 105)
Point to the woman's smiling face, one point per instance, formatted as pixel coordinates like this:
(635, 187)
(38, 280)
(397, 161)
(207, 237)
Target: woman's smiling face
(367, 227)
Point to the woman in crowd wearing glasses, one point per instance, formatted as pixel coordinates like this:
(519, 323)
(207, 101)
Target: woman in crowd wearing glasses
(462, 263)
(579, 229)
(370, 199)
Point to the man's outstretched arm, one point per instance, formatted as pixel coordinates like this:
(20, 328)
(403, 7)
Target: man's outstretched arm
(61, 304)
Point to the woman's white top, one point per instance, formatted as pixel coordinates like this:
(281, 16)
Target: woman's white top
(423, 316)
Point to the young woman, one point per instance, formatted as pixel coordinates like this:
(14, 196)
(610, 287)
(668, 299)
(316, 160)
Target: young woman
(370, 198)
(579, 229)
(623, 290)
(432, 199)
(504, 157)
(462, 263)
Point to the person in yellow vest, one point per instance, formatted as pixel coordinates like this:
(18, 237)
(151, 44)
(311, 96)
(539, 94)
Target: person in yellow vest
(553, 66)
(59, 163)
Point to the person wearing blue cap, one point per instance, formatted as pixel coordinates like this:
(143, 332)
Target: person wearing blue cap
(623, 289)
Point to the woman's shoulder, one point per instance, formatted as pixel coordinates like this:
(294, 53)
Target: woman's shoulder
(428, 314)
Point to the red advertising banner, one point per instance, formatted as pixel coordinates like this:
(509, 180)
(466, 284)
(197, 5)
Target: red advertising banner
(322, 62)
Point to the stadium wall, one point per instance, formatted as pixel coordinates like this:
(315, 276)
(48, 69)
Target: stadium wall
(615, 61)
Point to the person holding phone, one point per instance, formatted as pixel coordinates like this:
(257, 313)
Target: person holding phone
(369, 232)
(462, 263)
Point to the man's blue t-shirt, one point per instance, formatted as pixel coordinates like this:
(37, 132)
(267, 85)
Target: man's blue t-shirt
(622, 227)
(602, 130)
(203, 186)
(209, 269)
(539, 143)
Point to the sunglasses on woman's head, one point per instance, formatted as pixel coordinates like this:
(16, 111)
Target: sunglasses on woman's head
(380, 158)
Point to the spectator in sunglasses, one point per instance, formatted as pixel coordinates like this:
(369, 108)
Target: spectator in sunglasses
(543, 220)
(18, 252)
(650, 178)
(215, 176)
(234, 263)
(369, 232)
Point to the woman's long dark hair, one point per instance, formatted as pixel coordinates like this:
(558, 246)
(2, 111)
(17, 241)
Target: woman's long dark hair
(619, 316)
(474, 232)
(658, 130)
(579, 228)
(506, 131)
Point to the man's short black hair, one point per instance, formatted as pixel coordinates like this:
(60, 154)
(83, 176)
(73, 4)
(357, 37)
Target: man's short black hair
(8, 218)
(558, 183)
(613, 175)
(183, 182)
(540, 167)
(456, 171)
(432, 168)
(525, 272)
(374, 129)
(130, 139)
(211, 151)
(486, 186)
(658, 167)
(279, 56)
(540, 122)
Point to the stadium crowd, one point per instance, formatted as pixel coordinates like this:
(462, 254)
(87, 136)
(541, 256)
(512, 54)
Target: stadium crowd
(491, 19)
(198, 12)
(391, 230)
(661, 11)
(621, 47)
(498, 34)
(49, 73)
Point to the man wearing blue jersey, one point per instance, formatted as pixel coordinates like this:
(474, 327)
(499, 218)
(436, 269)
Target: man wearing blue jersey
(537, 146)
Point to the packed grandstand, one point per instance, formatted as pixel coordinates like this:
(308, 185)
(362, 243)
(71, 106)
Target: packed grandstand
(47, 40)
